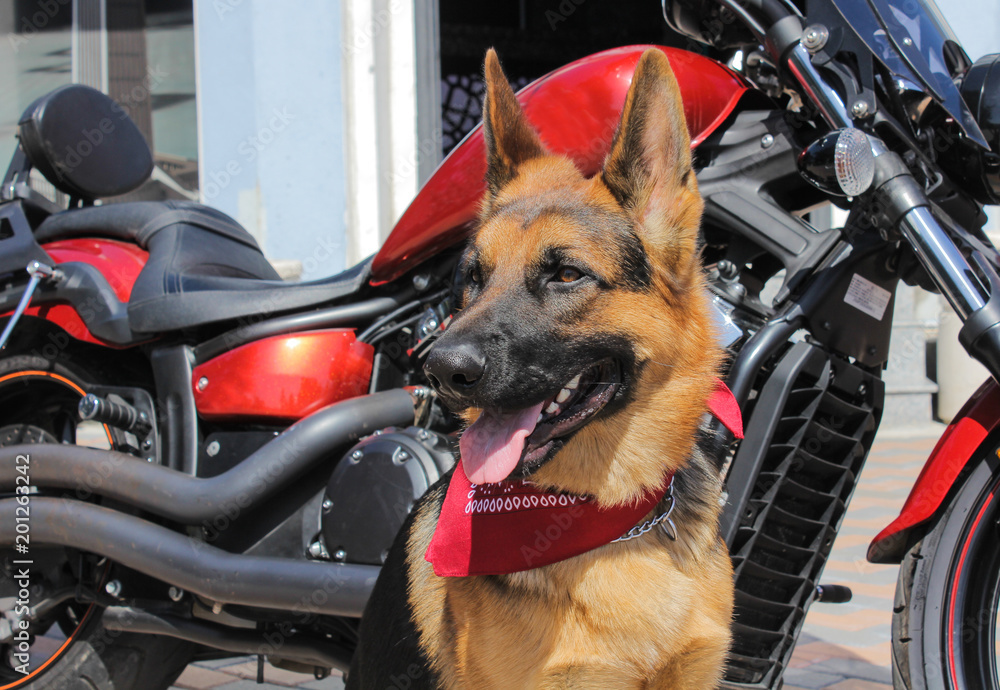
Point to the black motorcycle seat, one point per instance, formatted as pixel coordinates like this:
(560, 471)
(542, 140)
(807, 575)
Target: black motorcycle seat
(203, 267)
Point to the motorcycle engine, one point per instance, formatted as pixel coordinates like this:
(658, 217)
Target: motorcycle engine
(374, 487)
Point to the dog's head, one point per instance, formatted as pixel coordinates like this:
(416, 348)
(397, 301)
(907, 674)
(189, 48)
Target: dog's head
(584, 344)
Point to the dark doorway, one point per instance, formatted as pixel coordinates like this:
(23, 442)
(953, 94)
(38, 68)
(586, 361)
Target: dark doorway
(532, 38)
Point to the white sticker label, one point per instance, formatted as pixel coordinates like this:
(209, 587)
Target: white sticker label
(865, 295)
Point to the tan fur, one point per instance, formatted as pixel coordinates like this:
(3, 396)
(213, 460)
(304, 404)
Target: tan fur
(651, 612)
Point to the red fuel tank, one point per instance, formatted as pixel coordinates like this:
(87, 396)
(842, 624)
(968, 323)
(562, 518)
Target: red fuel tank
(575, 110)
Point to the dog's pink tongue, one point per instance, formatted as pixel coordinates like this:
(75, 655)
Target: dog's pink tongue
(492, 446)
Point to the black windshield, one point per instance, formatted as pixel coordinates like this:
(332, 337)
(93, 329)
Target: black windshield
(913, 40)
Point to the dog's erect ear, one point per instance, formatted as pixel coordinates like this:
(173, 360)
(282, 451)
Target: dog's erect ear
(510, 140)
(648, 169)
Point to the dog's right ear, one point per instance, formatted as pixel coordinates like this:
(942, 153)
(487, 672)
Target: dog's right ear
(510, 139)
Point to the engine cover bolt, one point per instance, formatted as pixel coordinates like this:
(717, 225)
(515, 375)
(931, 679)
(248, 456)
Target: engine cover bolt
(213, 449)
(357, 455)
(202, 383)
(175, 593)
(340, 555)
(766, 141)
(114, 588)
(327, 505)
(860, 108)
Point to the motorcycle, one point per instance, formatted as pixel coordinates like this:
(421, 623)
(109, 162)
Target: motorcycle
(198, 459)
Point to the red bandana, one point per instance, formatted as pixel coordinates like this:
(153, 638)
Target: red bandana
(495, 529)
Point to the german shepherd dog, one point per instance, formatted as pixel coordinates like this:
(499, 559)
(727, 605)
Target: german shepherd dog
(585, 354)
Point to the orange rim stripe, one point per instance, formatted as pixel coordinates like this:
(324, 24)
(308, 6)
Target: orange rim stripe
(86, 616)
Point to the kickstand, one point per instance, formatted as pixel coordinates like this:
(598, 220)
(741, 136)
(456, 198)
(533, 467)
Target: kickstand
(260, 669)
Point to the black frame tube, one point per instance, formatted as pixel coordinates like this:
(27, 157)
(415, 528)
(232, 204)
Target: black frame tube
(343, 315)
(305, 649)
(337, 589)
(193, 500)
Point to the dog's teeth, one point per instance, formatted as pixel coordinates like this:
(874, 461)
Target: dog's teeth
(540, 417)
(563, 395)
(574, 383)
(552, 408)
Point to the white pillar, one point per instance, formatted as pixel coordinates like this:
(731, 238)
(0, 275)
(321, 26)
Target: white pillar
(392, 117)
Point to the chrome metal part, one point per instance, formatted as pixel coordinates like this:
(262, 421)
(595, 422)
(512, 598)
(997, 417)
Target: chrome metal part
(818, 91)
(318, 551)
(815, 37)
(727, 332)
(663, 520)
(37, 272)
(422, 396)
(943, 260)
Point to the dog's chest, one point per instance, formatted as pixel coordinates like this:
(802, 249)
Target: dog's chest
(582, 622)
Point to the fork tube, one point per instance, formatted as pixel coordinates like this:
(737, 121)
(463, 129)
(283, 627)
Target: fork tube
(942, 259)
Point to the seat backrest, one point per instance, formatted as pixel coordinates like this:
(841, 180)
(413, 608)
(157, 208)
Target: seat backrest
(84, 143)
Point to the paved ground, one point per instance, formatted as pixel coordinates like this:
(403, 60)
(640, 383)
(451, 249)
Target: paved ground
(842, 647)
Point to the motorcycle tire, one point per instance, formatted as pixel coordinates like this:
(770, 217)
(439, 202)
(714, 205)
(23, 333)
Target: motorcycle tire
(45, 391)
(945, 612)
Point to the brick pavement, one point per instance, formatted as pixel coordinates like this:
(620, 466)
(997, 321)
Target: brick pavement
(848, 646)
(842, 647)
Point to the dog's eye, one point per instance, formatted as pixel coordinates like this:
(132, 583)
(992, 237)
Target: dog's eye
(568, 274)
(474, 276)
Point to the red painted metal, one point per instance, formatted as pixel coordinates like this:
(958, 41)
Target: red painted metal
(575, 110)
(978, 417)
(119, 262)
(283, 378)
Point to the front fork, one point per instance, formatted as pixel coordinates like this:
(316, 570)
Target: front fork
(902, 204)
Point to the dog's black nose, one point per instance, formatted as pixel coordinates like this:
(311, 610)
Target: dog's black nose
(455, 369)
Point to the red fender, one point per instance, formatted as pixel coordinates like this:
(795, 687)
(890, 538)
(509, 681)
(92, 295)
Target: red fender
(978, 417)
(575, 110)
(119, 262)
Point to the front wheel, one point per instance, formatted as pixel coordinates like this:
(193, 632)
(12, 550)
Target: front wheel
(945, 615)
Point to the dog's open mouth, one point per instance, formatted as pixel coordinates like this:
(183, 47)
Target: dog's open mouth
(502, 443)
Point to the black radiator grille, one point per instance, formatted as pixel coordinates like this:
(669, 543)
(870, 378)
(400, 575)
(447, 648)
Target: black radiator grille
(806, 470)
